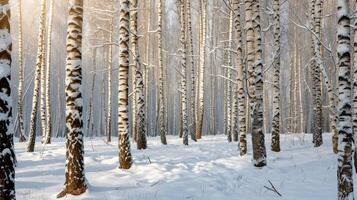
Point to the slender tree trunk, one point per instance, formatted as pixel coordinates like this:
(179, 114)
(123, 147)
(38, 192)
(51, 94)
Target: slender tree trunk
(345, 135)
(48, 76)
(200, 109)
(110, 72)
(75, 182)
(228, 90)
(20, 111)
(125, 159)
(7, 158)
(183, 50)
(139, 113)
(275, 138)
(258, 138)
(39, 64)
(192, 128)
(316, 11)
(162, 120)
(239, 103)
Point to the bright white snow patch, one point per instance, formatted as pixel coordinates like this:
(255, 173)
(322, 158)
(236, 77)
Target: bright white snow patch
(209, 170)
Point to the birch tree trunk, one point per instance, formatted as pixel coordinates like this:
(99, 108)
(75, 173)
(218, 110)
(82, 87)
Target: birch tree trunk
(139, 82)
(162, 120)
(39, 64)
(183, 50)
(48, 76)
(228, 89)
(316, 12)
(258, 140)
(239, 103)
(75, 182)
(20, 92)
(192, 128)
(275, 138)
(125, 159)
(354, 116)
(345, 134)
(7, 156)
(200, 108)
(110, 72)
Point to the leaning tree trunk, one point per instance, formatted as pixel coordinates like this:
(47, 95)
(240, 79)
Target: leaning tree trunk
(345, 135)
(258, 140)
(275, 138)
(162, 120)
(316, 12)
(125, 159)
(20, 112)
(239, 103)
(39, 62)
(139, 113)
(48, 76)
(200, 90)
(183, 50)
(75, 182)
(7, 158)
(192, 128)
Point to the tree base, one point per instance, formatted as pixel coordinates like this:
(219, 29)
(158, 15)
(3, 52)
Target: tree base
(75, 192)
(22, 139)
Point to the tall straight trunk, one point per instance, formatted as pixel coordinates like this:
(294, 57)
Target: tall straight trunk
(316, 11)
(301, 89)
(192, 128)
(228, 89)
(20, 112)
(75, 182)
(48, 76)
(275, 138)
(7, 158)
(110, 72)
(39, 62)
(200, 107)
(345, 134)
(239, 103)
(162, 119)
(43, 89)
(258, 138)
(183, 50)
(125, 159)
(354, 92)
(139, 113)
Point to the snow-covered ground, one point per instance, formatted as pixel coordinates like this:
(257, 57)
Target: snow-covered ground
(210, 169)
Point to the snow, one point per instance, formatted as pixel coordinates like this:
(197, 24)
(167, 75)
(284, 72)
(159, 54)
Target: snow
(210, 169)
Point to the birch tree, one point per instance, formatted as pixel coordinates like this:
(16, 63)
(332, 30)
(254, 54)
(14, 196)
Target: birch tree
(183, 51)
(345, 135)
(75, 181)
(275, 138)
(139, 113)
(7, 155)
(256, 83)
(316, 11)
(192, 128)
(125, 160)
(162, 120)
(228, 89)
(200, 107)
(239, 103)
(20, 91)
(48, 76)
(39, 64)
(354, 116)
(110, 73)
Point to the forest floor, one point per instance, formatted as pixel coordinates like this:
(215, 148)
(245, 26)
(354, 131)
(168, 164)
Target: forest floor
(210, 169)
